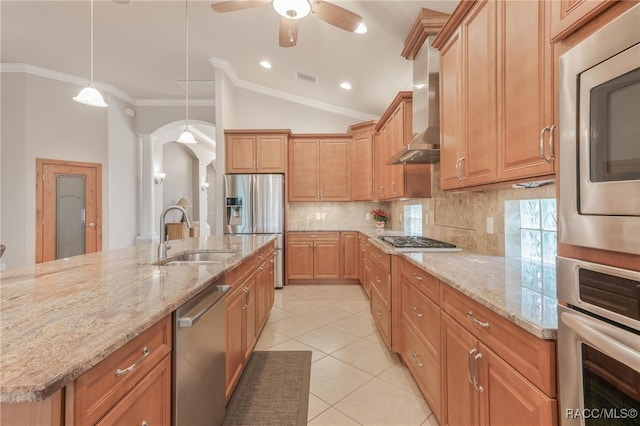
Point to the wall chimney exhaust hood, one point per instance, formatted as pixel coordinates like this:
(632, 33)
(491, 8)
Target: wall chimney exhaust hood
(424, 148)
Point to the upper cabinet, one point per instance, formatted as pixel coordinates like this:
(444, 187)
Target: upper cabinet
(495, 94)
(319, 167)
(362, 161)
(392, 132)
(256, 151)
(569, 15)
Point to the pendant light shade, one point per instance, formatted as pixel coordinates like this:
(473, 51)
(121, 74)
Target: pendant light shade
(292, 9)
(186, 136)
(90, 95)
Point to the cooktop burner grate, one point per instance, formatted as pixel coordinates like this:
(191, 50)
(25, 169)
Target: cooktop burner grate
(415, 243)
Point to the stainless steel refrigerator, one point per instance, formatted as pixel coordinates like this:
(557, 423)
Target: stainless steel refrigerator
(254, 204)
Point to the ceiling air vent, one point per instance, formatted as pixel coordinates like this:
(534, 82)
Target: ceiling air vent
(306, 77)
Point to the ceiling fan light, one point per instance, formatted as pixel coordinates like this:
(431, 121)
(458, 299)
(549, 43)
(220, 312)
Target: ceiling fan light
(186, 138)
(292, 9)
(90, 96)
(362, 28)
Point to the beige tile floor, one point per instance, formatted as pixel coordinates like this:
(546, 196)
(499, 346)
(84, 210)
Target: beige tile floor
(355, 380)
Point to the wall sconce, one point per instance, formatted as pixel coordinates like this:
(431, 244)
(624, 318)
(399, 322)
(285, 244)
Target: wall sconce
(159, 178)
(204, 186)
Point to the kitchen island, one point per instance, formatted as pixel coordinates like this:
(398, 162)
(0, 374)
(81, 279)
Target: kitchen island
(59, 319)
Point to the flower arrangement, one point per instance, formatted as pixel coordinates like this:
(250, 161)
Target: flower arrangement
(379, 215)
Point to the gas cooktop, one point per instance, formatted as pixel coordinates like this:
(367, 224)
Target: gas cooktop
(405, 243)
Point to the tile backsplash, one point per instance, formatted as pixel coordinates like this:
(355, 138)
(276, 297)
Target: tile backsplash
(459, 218)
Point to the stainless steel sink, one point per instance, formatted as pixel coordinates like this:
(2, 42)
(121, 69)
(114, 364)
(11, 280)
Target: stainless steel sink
(196, 258)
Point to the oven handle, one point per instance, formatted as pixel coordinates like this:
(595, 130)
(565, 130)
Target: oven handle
(602, 341)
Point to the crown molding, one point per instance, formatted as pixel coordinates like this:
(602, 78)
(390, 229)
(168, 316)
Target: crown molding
(175, 102)
(67, 78)
(228, 69)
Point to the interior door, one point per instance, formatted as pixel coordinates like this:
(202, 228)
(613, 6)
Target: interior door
(68, 209)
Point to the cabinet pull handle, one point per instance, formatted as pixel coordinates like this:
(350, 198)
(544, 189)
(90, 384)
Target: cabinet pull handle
(462, 176)
(144, 423)
(416, 312)
(477, 322)
(458, 169)
(378, 312)
(469, 355)
(417, 277)
(552, 155)
(378, 279)
(542, 132)
(313, 236)
(145, 354)
(415, 359)
(476, 358)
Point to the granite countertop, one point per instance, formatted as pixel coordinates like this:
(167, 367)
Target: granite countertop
(521, 290)
(58, 319)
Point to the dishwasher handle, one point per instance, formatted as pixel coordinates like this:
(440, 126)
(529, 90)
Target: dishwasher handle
(192, 317)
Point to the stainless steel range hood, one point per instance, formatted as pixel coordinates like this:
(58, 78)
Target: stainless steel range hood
(424, 148)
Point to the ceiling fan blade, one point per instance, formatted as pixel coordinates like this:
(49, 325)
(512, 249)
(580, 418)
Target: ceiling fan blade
(288, 32)
(233, 5)
(336, 15)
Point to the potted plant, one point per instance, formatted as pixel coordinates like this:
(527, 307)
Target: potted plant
(380, 217)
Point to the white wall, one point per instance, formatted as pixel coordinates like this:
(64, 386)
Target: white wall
(41, 120)
(178, 164)
(149, 118)
(257, 111)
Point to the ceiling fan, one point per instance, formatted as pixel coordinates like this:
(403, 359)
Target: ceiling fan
(292, 10)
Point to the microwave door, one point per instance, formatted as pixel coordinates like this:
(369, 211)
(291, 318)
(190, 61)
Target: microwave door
(609, 143)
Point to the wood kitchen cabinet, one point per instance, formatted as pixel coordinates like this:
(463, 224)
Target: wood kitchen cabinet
(257, 151)
(350, 255)
(496, 98)
(392, 132)
(363, 276)
(493, 372)
(313, 255)
(247, 307)
(362, 161)
(319, 168)
(569, 15)
(114, 392)
(380, 283)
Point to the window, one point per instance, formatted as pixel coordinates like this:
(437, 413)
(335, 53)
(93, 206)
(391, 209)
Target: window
(538, 230)
(413, 219)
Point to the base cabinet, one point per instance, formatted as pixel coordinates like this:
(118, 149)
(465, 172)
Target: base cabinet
(325, 256)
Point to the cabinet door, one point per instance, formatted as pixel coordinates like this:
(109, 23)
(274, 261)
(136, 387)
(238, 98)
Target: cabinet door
(326, 258)
(334, 169)
(398, 139)
(569, 15)
(362, 167)
(240, 154)
(452, 144)
(251, 320)
(235, 351)
(262, 289)
(480, 161)
(149, 402)
(508, 398)
(300, 260)
(350, 261)
(380, 158)
(304, 172)
(270, 153)
(526, 96)
(461, 399)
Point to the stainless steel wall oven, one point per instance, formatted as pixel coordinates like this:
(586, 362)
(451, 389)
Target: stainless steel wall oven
(598, 344)
(600, 138)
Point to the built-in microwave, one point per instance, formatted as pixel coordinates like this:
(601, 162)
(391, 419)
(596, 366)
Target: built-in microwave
(599, 202)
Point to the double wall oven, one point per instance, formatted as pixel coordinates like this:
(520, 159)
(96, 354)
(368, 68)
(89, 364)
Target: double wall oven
(599, 208)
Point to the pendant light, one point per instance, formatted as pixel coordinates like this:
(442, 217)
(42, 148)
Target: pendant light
(186, 137)
(90, 95)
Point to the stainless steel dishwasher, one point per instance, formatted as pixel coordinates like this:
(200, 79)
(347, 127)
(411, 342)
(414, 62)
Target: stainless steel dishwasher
(199, 358)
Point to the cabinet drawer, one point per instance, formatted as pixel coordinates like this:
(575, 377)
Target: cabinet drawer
(534, 358)
(423, 281)
(313, 236)
(149, 401)
(425, 368)
(100, 388)
(378, 256)
(381, 281)
(424, 315)
(381, 316)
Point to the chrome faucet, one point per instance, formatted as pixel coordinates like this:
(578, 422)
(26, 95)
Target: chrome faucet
(164, 245)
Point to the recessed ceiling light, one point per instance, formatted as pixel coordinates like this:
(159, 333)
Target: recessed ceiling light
(362, 28)
(345, 85)
(265, 64)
